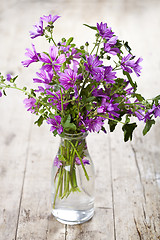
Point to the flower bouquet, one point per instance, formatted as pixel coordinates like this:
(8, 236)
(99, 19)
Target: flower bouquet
(77, 90)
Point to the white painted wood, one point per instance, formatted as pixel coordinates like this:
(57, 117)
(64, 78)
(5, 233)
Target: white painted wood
(13, 152)
(127, 174)
(136, 194)
(102, 224)
(35, 221)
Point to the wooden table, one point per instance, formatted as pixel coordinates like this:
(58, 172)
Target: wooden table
(127, 203)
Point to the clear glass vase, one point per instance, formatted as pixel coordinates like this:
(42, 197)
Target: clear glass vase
(73, 180)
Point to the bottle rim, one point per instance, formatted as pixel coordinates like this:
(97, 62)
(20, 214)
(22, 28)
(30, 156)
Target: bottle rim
(75, 135)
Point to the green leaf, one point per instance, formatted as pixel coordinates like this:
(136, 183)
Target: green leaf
(69, 41)
(90, 99)
(134, 85)
(127, 119)
(127, 47)
(139, 97)
(94, 28)
(39, 121)
(66, 123)
(42, 111)
(128, 130)
(156, 100)
(148, 126)
(13, 79)
(4, 93)
(157, 97)
(112, 125)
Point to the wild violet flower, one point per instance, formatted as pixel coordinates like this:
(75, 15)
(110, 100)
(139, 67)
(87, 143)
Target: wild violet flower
(56, 124)
(33, 55)
(44, 77)
(104, 31)
(0, 93)
(93, 65)
(38, 30)
(68, 78)
(8, 77)
(128, 64)
(55, 100)
(85, 161)
(93, 125)
(110, 108)
(109, 46)
(30, 104)
(57, 162)
(50, 18)
(157, 111)
(53, 60)
(109, 75)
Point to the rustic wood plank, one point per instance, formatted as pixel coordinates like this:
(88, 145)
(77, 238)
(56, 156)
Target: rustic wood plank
(147, 157)
(14, 137)
(132, 183)
(35, 221)
(102, 224)
(136, 196)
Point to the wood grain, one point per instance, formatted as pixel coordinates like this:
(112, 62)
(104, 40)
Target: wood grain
(127, 201)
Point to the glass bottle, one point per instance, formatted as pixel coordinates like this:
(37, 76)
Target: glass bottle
(73, 179)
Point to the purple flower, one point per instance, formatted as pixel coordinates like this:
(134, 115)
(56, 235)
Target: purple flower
(137, 68)
(157, 111)
(111, 50)
(55, 100)
(8, 77)
(40, 89)
(127, 65)
(38, 30)
(50, 18)
(57, 162)
(30, 104)
(154, 110)
(0, 93)
(33, 55)
(139, 114)
(78, 162)
(44, 77)
(75, 55)
(94, 125)
(63, 47)
(109, 75)
(108, 47)
(68, 78)
(109, 107)
(53, 61)
(56, 124)
(104, 31)
(101, 93)
(93, 65)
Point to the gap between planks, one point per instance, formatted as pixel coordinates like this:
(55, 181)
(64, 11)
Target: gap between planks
(25, 168)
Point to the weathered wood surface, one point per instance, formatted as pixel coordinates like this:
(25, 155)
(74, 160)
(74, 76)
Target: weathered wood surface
(127, 174)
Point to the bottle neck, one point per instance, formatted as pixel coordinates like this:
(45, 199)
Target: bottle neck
(76, 136)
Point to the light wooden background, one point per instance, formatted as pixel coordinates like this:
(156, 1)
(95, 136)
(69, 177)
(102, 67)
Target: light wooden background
(127, 174)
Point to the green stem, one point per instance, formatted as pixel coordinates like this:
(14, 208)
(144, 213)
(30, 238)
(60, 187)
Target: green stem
(111, 119)
(84, 83)
(61, 101)
(85, 172)
(58, 184)
(98, 47)
(61, 184)
(66, 191)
